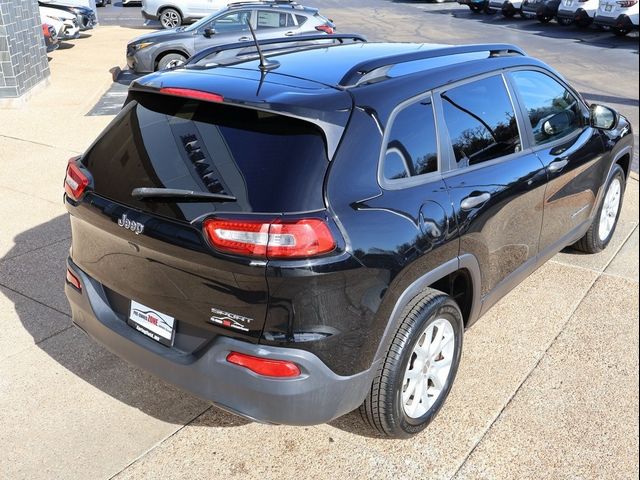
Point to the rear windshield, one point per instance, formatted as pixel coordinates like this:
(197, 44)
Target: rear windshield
(269, 162)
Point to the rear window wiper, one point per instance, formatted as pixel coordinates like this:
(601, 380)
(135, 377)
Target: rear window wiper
(160, 194)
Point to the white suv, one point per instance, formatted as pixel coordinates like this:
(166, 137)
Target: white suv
(621, 15)
(173, 13)
(581, 12)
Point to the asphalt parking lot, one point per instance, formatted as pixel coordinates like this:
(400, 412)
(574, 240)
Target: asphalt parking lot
(548, 386)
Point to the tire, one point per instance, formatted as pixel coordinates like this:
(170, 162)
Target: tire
(583, 23)
(475, 8)
(508, 12)
(543, 18)
(389, 404)
(596, 240)
(620, 32)
(170, 18)
(171, 60)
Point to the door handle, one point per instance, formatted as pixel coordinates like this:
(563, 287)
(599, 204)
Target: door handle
(474, 201)
(558, 165)
(289, 34)
(244, 39)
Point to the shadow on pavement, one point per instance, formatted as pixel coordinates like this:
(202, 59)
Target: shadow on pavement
(79, 354)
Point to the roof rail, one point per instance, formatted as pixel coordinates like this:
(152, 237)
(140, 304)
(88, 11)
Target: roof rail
(364, 69)
(267, 2)
(340, 38)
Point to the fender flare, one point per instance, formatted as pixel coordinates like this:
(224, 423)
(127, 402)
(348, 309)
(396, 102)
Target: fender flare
(463, 262)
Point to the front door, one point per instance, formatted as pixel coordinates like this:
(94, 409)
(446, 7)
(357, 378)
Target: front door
(496, 183)
(230, 27)
(571, 151)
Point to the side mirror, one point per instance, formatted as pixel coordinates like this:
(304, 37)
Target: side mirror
(209, 32)
(602, 117)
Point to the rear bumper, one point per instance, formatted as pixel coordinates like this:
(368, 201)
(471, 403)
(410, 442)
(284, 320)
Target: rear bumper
(622, 21)
(318, 395)
(149, 16)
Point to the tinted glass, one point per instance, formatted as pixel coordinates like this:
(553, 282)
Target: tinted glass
(269, 162)
(481, 121)
(553, 111)
(412, 148)
(273, 20)
(301, 19)
(232, 22)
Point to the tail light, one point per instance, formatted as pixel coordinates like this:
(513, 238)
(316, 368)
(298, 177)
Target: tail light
(326, 29)
(264, 366)
(627, 3)
(75, 181)
(45, 30)
(278, 239)
(73, 280)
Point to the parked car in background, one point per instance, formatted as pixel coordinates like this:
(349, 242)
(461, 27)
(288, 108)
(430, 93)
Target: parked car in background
(508, 8)
(475, 6)
(543, 10)
(173, 13)
(580, 12)
(621, 16)
(293, 248)
(71, 28)
(85, 16)
(126, 3)
(50, 37)
(102, 3)
(159, 50)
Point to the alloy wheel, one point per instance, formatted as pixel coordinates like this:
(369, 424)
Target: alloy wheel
(170, 19)
(610, 209)
(427, 372)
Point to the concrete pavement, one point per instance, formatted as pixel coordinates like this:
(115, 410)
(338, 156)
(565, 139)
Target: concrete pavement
(548, 386)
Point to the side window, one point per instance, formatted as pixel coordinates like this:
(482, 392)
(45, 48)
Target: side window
(481, 121)
(273, 20)
(301, 19)
(412, 147)
(553, 111)
(232, 22)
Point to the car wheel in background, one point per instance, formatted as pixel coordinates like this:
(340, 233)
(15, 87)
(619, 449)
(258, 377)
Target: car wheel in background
(418, 371)
(544, 18)
(620, 32)
(170, 18)
(171, 60)
(604, 224)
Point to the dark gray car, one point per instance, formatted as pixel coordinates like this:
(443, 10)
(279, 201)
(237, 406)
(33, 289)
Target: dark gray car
(163, 49)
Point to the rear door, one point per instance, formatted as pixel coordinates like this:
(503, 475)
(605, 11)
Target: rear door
(274, 24)
(496, 183)
(571, 151)
(271, 164)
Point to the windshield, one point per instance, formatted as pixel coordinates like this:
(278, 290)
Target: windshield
(204, 21)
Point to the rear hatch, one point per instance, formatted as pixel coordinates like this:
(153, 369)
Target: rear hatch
(272, 164)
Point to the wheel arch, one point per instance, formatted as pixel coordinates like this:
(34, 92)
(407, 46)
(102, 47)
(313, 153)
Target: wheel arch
(466, 266)
(169, 5)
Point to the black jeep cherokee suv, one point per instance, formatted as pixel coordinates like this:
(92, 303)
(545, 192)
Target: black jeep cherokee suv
(292, 238)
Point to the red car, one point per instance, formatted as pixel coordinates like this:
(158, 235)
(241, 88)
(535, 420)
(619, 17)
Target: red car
(50, 37)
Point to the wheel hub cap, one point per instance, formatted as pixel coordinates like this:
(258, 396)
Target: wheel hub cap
(610, 209)
(428, 369)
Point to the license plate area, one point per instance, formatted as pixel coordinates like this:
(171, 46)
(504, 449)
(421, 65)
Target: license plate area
(155, 325)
